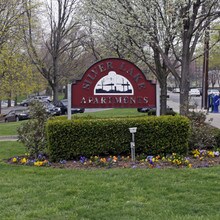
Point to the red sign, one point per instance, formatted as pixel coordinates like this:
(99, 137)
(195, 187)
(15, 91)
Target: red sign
(113, 83)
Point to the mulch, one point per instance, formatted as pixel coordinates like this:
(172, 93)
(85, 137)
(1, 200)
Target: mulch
(192, 162)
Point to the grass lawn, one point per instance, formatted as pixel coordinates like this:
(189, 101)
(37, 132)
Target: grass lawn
(11, 128)
(48, 193)
(117, 112)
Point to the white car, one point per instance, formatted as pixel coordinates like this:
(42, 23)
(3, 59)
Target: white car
(194, 92)
(213, 91)
(176, 90)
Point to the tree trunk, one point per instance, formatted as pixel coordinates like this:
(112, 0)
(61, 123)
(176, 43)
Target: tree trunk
(184, 88)
(16, 100)
(9, 102)
(163, 97)
(55, 92)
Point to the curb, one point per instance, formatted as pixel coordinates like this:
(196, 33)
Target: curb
(9, 138)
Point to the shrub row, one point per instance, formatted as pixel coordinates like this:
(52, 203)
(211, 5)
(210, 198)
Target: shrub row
(68, 139)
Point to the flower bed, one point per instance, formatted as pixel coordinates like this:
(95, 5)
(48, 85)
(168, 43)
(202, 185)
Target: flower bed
(198, 159)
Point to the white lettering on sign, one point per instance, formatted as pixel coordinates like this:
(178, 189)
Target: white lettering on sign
(114, 100)
(109, 66)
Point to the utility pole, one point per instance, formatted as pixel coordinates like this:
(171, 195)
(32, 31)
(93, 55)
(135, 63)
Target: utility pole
(205, 83)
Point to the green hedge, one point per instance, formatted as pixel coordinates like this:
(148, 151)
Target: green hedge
(68, 139)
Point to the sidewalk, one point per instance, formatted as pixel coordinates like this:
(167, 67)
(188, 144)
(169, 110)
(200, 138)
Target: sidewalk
(211, 118)
(9, 138)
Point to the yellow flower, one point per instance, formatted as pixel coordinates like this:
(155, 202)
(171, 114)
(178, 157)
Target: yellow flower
(14, 160)
(38, 163)
(196, 153)
(23, 160)
(190, 165)
(211, 154)
(163, 158)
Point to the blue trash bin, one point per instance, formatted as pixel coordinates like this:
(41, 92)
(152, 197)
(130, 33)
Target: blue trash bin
(215, 103)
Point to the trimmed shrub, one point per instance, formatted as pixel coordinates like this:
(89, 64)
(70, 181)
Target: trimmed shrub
(68, 139)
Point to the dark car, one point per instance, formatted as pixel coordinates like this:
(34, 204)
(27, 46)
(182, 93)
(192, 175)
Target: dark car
(51, 109)
(145, 110)
(152, 111)
(62, 104)
(17, 115)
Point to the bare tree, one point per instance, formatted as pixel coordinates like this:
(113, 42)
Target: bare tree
(60, 42)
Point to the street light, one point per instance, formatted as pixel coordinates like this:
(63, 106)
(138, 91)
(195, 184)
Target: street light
(132, 130)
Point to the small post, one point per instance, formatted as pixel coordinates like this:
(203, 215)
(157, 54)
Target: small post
(132, 144)
(158, 99)
(69, 101)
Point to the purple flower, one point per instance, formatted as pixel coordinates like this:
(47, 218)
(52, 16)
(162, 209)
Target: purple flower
(40, 157)
(151, 162)
(149, 158)
(63, 161)
(82, 159)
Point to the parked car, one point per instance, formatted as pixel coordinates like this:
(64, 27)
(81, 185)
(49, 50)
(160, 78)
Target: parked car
(194, 92)
(176, 90)
(213, 91)
(27, 102)
(51, 109)
(62, 104)
(152, 111)
(17, 115)
(145, 110)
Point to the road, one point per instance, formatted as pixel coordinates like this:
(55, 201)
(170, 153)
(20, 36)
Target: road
(211, 118)
(5, 110)
(193, 100)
